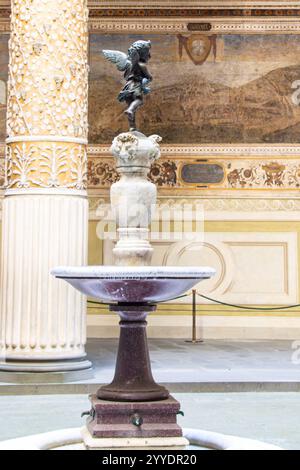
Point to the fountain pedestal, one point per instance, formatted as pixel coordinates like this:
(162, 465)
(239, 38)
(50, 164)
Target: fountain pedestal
(133, 379)
(133, 405)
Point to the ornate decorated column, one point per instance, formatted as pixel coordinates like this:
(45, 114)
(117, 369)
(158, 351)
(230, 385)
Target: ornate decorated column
(45, 213)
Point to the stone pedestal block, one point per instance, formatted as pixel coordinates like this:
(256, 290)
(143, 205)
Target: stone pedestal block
(134, 420)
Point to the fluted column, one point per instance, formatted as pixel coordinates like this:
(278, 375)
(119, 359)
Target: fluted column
(45, 210)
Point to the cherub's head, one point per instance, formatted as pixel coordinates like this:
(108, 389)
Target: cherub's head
(143, 49)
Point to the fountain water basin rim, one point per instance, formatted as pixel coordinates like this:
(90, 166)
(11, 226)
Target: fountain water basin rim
(133, 272)
(146, 284)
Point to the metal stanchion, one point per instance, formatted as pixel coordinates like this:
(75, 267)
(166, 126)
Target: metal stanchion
(194, 339)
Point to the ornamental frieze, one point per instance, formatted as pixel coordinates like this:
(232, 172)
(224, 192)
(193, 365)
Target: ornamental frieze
(214, 174)
(101, 173)
(273, 175)
(164, 174)
(189, 9)
(63, 165)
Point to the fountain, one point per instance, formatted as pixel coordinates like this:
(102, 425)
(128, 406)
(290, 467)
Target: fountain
(133, 406)
(133, 411)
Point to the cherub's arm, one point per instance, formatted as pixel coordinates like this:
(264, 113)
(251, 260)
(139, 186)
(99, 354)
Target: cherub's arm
(145, 71)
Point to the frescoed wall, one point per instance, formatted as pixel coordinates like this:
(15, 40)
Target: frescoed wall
(222, 89)
(225, 100)
(233, 88)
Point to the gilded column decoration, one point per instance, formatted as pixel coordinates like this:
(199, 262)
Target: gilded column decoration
(47, 94)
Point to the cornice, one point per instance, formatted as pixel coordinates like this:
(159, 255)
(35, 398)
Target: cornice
(197, 12)
(188, 8)
(251, 151)
(176, 16)
(96, 4)
(189, 3)
(213, 150)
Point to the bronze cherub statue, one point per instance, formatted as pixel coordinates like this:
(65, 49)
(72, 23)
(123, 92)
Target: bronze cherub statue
(136, 75)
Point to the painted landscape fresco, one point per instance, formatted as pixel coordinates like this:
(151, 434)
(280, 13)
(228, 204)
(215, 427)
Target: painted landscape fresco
(246, 91)
(242, 93)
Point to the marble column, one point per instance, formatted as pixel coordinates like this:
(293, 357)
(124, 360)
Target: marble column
(45, 210)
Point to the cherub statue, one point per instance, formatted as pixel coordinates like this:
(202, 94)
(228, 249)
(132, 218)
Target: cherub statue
(136, 75)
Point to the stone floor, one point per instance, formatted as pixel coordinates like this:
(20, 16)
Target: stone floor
(211, 361)
(212, 366)
(270, 417)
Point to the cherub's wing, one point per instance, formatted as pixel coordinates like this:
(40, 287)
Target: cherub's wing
(118, 58)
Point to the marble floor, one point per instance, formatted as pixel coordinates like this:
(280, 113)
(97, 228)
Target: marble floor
(270, 417)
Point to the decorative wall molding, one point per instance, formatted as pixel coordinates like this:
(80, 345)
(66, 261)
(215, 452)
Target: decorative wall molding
(224, 17)
(211, 4)
(215, 208)
(220, 26)
(53, 165)
(180, 4)
(178, 25)
(189, 151)
(248, 204)
(101, 173)
(245, 167)
(96, 4)
(238, 173)
(199, 13)
(252, 268)
(222, 204)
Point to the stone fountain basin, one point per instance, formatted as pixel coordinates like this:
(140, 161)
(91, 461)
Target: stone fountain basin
(71, 439)
(133, 284)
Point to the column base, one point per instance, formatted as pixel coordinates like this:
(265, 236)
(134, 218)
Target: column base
(21, 370)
